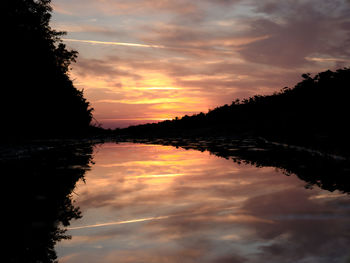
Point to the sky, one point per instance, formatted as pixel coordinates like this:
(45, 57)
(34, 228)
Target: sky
(144, 61)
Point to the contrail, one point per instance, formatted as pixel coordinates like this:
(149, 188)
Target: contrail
(113, 43)
(152, 218)
(120, 222)
(147, 45)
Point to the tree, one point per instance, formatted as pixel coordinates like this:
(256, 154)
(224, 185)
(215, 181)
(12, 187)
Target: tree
(38, 96)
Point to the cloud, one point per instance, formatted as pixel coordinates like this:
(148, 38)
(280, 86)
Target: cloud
(97, 67)
(167, 88)
(210, 52)
(297, 30)
(111, 7)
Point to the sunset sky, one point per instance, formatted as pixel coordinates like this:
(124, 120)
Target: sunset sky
(150, 60)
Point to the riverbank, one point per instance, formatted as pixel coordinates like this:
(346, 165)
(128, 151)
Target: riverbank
(328, 171)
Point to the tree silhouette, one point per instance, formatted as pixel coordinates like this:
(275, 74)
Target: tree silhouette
(38, 96)
(314, 114)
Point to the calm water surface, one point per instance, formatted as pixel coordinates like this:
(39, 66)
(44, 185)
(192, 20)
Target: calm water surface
(152, 203)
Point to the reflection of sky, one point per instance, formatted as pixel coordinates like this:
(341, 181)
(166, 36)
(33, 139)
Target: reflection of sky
(148, 203)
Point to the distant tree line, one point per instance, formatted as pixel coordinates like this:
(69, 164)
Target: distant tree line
(38, 97)
(313, 113)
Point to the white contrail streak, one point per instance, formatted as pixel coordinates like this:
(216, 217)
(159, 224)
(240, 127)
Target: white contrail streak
(112, 43)
(119, 222)
(152, 218)
(95, 42)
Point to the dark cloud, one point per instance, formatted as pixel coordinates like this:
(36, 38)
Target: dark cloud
(231, 259)
(298, 29)
(96, 67)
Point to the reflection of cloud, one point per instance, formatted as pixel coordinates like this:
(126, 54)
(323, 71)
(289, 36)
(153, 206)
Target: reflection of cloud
(149, 176)
(309, 227)
(217, 212)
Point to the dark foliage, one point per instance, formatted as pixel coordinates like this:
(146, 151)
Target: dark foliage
(315, 168)
(37, 96)
(41, 178)
(314, 113)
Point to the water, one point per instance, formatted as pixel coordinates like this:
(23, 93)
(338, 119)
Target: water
(152, 203)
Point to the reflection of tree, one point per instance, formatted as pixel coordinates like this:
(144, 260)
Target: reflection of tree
(40, 203)
(326, 171)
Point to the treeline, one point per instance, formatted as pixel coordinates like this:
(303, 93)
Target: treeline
(314, 113)
(38, 97)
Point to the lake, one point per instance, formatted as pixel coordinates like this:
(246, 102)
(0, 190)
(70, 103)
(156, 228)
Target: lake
(154, 203)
